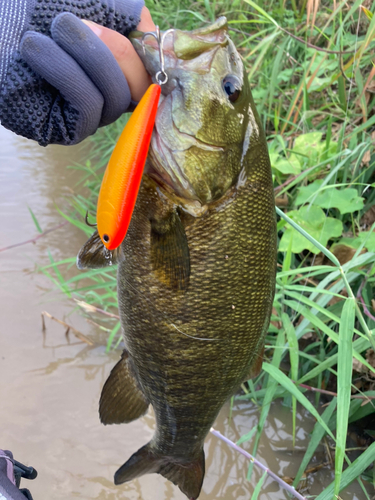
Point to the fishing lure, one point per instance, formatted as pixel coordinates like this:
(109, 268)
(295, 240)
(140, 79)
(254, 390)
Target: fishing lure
(123, 175)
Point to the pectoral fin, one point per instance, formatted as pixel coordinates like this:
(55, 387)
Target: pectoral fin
(94, 255)
(170, 252)
(122, 400)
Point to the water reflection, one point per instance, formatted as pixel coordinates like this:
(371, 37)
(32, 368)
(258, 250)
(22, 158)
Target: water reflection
(50, 386)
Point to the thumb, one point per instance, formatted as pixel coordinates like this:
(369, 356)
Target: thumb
(131, 65)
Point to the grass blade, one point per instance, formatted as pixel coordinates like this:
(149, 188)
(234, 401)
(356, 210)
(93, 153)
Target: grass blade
(316, 437)
(258, 487)
(294, 361)
(312, 240)
(294, 391)
(344, 372)
(269, 395)
(351, 473)
(35, 220)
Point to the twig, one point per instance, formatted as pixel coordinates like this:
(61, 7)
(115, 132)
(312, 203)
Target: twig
(359, 296)
(90, 308)
(43, 323)
(291, 179)
(77, 333)
(103, 328)
(33, 240)
(325, 440)
(274, 476)
(307, 280)
(334, 394)
(315, 389)
(365, 310)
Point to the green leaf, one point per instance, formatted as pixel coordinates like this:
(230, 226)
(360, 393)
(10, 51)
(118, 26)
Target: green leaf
(282, 379)
(112, 335)
(369, 240)
(316, 437)
(247, 436)
(345, 200)
(39, 229)
(366, 407)
(367, 12)
(258, 487)
(294, 361)
(313, 220)
(351, 473)
(284, 165)
(310, 146)
(287, 262)
(344, 378)
(272, 386)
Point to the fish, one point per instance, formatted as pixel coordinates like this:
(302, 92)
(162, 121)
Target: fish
(196, 270)
(123, 175)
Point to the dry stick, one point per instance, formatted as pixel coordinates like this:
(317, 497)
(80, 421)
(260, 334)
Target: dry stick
(33, 240)
(365, 310)
(274, 476)
(330, 393)
(90, 308)
(103, 328)
(359, 296)
(77, 333)
(291, 179)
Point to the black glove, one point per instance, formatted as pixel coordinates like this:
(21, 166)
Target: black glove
(59, 82)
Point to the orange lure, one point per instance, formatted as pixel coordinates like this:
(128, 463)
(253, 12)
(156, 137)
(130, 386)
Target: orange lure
(123, 175)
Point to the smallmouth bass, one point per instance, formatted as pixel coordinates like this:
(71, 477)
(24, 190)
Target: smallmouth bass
(196, 270)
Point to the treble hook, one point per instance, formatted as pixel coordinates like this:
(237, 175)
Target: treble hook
(160, 40)
(87, 220)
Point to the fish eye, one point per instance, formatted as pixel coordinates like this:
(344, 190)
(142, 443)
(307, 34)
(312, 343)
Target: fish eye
(232, 87)
(106, 238)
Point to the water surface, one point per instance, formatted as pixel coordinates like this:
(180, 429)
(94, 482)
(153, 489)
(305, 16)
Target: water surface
(50, 385)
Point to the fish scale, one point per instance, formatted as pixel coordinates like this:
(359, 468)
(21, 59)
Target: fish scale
(196, 273)
(204, 310)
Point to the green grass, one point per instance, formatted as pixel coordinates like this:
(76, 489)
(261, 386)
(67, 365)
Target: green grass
(313, 85)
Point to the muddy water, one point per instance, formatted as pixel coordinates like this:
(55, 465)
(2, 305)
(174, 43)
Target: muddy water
(50, 386)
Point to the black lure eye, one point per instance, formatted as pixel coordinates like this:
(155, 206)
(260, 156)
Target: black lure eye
(106, 238)
(231, 87)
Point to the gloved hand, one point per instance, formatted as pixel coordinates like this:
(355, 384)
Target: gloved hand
(59, 82)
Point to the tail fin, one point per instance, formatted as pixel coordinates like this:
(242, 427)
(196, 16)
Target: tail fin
(188, 476)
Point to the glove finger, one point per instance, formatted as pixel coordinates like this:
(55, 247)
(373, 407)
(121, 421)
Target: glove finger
(97, 61)
(53, 64)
